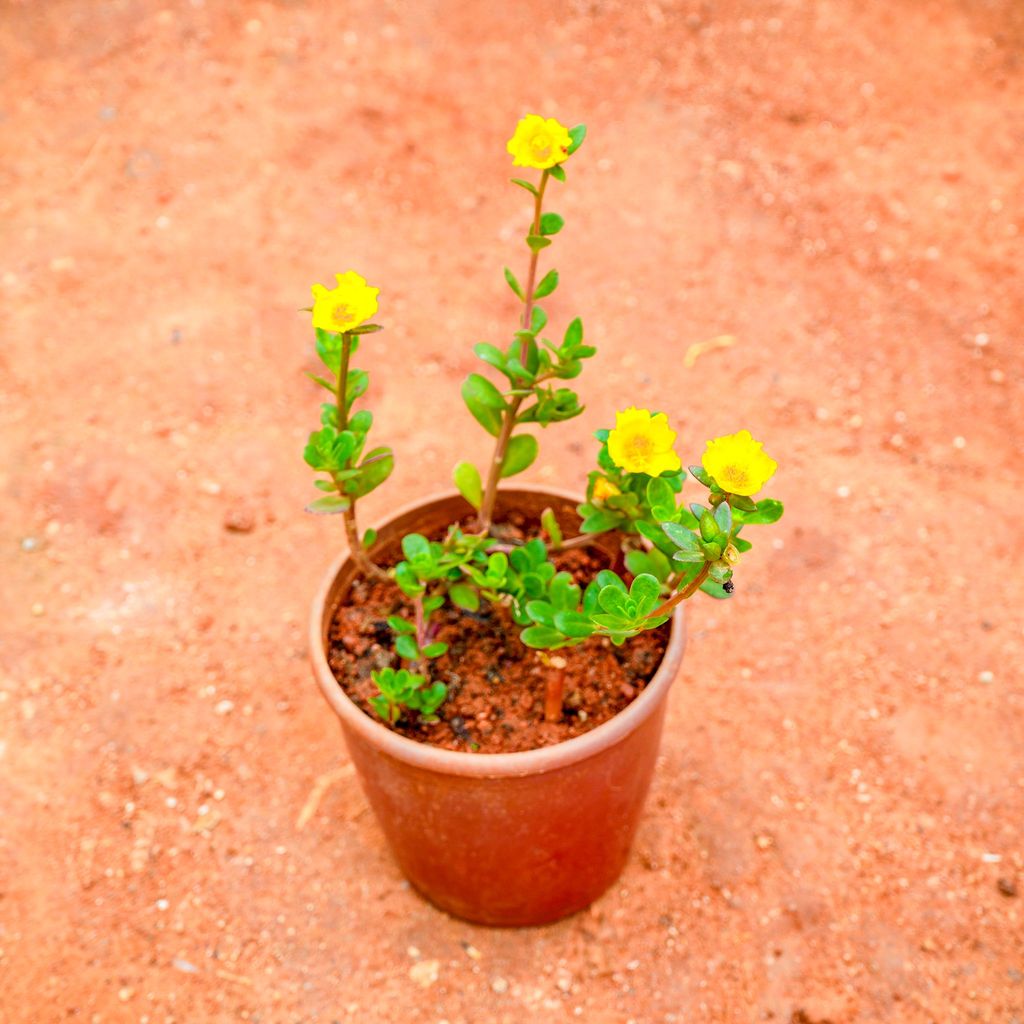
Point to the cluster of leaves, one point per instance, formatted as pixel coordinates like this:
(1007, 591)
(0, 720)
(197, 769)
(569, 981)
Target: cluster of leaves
(566, 616)
(338, 449)
(401, 689)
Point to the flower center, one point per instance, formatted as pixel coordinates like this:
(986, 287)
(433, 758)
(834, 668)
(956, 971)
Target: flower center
(540, 144)
(736, 475)
(342, 313)
(639, 447)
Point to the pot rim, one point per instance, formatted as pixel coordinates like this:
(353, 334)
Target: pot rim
(476, 765)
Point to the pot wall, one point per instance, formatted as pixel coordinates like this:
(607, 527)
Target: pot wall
(502, 839)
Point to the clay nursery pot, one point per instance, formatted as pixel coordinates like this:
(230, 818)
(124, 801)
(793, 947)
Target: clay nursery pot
(501, 839)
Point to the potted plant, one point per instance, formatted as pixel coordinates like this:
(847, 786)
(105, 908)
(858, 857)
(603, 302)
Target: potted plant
(500, 658)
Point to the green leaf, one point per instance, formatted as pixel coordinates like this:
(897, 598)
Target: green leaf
(369, 538)
(577, 134)
(537, 242)
(723, 517)
(361, 422)
(407, 648)
(768, 511)
(529, 186)
(700, 474)
(467, 480)
(521, 452)
(431, 698)
(479, 395)
(542, 612)
(551, 223)
(328, 348)
(607, 578)
(563, 592)
(329, 506)
(655, 536)
(741, 544)
(645, 590)
(464, 596)
(549, 523)
(491, 355)
(708, 526)
(541, 637)
(513, 283)
(408, 582)
(573, 334)
(323, 382)
(356, 385)
(481, 390)
(538, 318)
(652, 562)
(400, 625)
(431, 604)
(434, 650)
(743, 503)
(688, 555)
(600, 521)
(366, 329)
(680, 536)
(615, 602)
(416, 547)
(558, 172)
(375, 468)
(548, 283)
(574, 624)
(661, 498)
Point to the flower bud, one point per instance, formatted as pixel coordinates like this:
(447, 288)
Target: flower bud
(708, 526)
(712, 550)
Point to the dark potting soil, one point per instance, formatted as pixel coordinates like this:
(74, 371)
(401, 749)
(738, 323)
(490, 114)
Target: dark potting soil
(495, 683)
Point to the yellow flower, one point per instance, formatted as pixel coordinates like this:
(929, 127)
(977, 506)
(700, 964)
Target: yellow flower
(642, 443)
(738, 464)
(345, 307)
(603, 489)
(539, 143)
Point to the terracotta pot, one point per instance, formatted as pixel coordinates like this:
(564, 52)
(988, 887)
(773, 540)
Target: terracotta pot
(502, 839)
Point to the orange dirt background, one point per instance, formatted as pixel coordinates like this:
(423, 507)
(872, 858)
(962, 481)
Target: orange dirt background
(835, 832)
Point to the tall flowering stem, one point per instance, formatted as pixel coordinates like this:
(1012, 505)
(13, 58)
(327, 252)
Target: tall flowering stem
(348, 516)
(340, 316)
(508, 422)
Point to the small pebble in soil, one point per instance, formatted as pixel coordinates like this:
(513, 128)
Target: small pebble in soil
(30, 544)
(458, 725)
(425, 972)
(239, 520)
(1007, 887)
(499, 985)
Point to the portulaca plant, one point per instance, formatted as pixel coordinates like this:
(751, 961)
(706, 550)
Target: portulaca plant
(673, 547)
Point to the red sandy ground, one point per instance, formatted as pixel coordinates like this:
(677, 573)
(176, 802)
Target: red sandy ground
(834, 183)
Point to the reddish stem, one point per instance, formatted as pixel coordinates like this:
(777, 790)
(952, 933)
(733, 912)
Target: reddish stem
(554, 693)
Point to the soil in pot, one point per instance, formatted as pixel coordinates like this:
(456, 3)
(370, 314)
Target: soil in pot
(495, 684)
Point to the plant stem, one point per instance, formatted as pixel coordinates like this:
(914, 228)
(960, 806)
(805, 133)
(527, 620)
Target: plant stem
(421, 624)
(531, 277)
(553, 695)
(348, 517)
(509, 422)
(554, 688)
(688, 591)
(582, 541)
